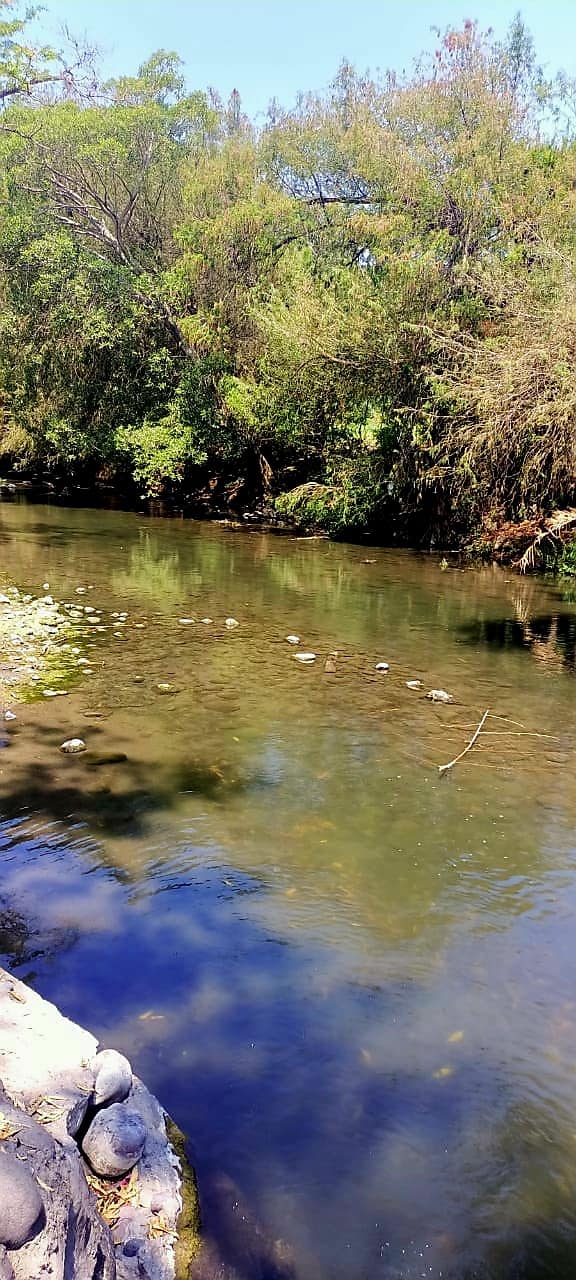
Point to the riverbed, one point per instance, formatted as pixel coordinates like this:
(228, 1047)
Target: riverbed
(352, 981)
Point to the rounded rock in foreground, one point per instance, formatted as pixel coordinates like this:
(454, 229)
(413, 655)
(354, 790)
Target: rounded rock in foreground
(115, 1141)
(112, 1077)
(73, 745)
(22, 1212)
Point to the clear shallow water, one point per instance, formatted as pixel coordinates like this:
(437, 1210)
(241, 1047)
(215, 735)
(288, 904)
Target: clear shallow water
(351, 981)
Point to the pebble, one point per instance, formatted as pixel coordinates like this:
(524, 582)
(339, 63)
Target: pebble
(165, 688)
(73, 745)
(382, 666)
(21, 1206)
(115, 1140)
(55, 693)
(439, 695)
(413, 684)
(207, 620)
(45, 586)
(186, 621)
(112, 1077)
(9, 715)
(305, 657)
(231, 623)
(293, 639)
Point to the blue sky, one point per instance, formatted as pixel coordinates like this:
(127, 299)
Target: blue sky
(268, 48)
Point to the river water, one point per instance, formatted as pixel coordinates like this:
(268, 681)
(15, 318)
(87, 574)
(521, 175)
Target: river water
(351, 980)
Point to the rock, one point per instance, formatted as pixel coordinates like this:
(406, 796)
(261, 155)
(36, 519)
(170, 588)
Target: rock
(132, 1226)
(73, 745)
(99, 759)
(112, 1077)
(47, 1065)
(293, 639)
(45, 586)
(9, 715)
(115, 1140)
(330, 665)
(6, 1269)
(69, 1238)
(382, 666)
(186, 621)
(305, 657)
(413, 684)
(22, 1213)
(439, 695)
(165, 687)
(207, 620)
(231, 623)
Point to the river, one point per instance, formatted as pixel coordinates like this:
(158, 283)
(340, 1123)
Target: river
(351, 980)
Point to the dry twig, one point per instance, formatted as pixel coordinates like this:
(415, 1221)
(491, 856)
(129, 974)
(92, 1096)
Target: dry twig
(444, 767)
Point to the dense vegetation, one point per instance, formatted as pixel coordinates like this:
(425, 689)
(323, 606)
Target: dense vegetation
(363, 315)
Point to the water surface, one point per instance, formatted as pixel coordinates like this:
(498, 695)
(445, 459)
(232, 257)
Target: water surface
(351, 981)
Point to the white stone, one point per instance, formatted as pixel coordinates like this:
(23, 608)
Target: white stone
(305, 657)
(293, 639)
(112, 1077)
(439, 695)
(73, 745)
(231, 623)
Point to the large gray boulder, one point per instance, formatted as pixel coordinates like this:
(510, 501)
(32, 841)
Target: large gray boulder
(115, 1140)
(22, 1213)
(47, 1209)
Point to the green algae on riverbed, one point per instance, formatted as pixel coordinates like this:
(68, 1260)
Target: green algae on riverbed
(40, 645)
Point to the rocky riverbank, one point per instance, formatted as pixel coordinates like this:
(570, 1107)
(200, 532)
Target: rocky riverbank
(90, 1185)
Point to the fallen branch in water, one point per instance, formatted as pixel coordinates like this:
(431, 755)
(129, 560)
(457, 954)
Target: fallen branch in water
(442, 768)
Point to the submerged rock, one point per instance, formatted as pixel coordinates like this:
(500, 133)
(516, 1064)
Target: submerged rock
(293, 639)
(305, 657)
(231, 623)
(439, 695)
(413, 684)
(115, 1140)
(382, 666)
(73, 746)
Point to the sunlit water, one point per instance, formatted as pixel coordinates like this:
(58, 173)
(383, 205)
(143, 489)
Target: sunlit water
(351, 981)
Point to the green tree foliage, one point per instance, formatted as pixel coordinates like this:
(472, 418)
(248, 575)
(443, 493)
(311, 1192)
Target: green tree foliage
(364, 313)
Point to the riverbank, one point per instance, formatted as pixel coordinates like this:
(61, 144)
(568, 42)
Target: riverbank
(90, 1184)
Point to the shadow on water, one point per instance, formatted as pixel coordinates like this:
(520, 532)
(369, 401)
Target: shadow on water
(548, 637)
(110, 793)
